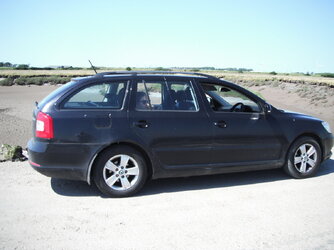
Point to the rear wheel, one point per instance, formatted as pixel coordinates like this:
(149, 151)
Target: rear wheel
(120, 171)
(304, 158)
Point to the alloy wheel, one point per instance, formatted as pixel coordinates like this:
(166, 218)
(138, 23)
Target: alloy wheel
(305, 158)
(121, 172)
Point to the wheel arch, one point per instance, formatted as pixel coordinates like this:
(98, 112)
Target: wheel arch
(116, 144)
(311, 135)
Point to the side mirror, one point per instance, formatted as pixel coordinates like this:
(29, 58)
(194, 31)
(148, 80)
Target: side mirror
(267, 108)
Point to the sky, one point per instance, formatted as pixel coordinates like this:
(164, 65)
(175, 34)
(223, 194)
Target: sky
(281, 36)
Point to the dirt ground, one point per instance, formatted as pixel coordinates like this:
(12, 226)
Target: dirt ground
(257, 210)
(289, 99)
(16, 106)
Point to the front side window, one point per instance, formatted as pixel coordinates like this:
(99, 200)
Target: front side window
(165, 95)
(104, 95)
(225, 99)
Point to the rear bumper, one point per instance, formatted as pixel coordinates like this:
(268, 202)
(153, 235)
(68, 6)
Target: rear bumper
(64, 161)
(60, 172)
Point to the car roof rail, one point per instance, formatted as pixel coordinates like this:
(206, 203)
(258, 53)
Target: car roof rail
(78, 78)
(135, 73)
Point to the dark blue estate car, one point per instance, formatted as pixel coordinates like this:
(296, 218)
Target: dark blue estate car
(119, 129)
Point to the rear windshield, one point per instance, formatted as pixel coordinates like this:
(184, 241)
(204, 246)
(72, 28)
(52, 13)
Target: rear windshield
(53, 94)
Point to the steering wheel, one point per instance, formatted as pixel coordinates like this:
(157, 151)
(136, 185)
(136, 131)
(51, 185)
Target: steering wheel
(234, 107)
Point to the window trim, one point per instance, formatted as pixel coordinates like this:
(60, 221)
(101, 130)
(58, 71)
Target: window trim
(164, 81)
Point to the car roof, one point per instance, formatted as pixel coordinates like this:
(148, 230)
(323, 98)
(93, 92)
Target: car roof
(122, 74)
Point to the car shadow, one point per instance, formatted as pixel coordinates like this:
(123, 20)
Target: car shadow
(172, 185)
(73, 188)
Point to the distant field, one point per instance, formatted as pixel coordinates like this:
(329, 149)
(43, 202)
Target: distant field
(6, 72)
(254, 77)
(266, 77)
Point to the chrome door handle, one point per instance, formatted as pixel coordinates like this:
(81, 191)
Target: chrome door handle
(255, 117)
(220, 124)
(142, 124)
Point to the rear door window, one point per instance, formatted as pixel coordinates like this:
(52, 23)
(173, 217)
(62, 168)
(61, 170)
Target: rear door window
(109, 95)
(165, 95)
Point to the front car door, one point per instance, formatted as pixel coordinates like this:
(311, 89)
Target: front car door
(244, 134)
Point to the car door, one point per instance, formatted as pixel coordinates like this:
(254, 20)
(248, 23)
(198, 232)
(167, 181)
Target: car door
(167, 117)
(91, 114)
(243, 133)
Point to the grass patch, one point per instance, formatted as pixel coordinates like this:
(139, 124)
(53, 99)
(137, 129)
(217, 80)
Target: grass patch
(331, 75)
(7, 82)
(39, 80)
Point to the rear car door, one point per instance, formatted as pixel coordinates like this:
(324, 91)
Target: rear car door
(168, 119)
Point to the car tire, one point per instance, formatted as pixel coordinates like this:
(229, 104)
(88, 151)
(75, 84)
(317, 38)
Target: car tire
(304, 158)
(120, 171)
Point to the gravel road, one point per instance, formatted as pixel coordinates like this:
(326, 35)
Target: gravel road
(257, 210)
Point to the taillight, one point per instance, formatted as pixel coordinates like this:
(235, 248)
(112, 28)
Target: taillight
(44, 126)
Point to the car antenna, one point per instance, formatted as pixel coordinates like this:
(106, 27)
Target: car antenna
(92, 66)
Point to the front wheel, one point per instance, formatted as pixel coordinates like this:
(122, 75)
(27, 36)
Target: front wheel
(120, 171)
(304, 158)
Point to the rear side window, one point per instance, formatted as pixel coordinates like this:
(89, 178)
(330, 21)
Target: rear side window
(164, 95)
(109, 95)
(53, 94)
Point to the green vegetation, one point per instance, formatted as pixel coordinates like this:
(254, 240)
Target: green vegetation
(7, 82)
(23, 80)
(331, 75)
(6, 64)
(22, 66)
(195, 70)
(11, 153)
(162, 69)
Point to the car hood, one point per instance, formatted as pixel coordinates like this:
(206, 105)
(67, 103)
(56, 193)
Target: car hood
(294, 114)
